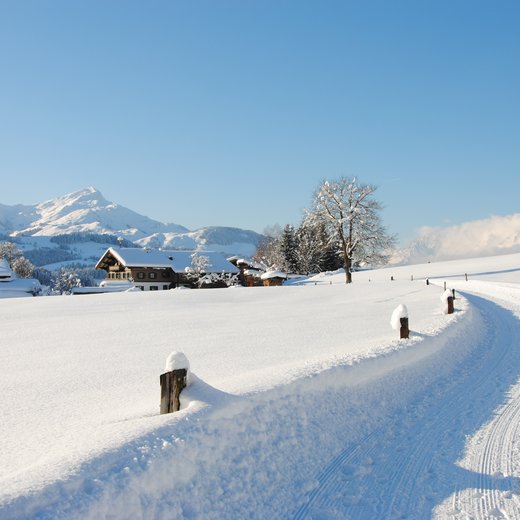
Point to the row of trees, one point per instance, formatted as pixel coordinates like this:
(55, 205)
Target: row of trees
(342, 228)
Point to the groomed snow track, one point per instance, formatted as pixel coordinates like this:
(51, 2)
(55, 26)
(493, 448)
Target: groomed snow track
(416, 464)
(425, 431)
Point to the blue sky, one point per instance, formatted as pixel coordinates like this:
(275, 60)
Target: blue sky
(231, 112)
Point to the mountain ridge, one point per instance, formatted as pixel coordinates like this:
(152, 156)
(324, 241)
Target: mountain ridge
(88, 211)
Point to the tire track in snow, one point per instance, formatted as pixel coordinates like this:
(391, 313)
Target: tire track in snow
(407, 466)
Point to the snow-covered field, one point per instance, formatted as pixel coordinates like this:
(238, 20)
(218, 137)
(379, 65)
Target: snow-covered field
(303, 402)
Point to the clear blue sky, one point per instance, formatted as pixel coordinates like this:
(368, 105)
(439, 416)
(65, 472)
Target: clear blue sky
(230, 112)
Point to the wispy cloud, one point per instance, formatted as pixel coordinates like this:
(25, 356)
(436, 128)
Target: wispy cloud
(486, 237)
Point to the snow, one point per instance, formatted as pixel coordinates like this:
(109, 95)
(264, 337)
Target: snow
(273, 274)
(399, 312)
(177, 260)
(13, 287)
(177, 361)
(302, 402)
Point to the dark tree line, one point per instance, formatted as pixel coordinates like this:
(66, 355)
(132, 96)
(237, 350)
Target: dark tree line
(303, 250)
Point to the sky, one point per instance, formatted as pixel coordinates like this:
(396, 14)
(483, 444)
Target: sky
(232, 112)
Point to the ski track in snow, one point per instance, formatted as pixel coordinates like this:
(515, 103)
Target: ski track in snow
(409, 464)
(430, 431)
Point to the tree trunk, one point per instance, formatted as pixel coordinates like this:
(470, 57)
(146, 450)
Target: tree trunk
(347, 261)
(348, 266)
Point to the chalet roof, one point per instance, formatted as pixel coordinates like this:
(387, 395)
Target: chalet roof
(177, 260)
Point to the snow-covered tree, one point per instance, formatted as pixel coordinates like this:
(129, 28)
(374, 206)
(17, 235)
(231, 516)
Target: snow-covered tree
(199, 265)
(22, 267)
(64, 280)
(287, 249)
(315, 251)
(9, 251)
(351, 216)
(268, 253)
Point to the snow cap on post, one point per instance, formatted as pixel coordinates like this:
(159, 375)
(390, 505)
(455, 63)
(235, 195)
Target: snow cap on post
(447, 301)
(176, 361)
(399, 312)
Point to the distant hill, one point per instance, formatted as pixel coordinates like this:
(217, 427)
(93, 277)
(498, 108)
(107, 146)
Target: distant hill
(88, 216)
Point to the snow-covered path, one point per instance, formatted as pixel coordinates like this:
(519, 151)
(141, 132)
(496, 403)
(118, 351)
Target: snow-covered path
(410, 467)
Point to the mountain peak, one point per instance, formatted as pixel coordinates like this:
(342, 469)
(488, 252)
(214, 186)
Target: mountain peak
(87, 211)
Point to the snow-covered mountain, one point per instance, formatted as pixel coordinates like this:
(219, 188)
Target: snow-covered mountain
(87, 211)
(226, 240)
(82, 211)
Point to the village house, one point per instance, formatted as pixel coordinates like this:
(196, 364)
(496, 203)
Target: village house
(11, 285)
(156, 270)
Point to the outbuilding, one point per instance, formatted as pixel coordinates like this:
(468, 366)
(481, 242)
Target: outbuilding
(273, 278)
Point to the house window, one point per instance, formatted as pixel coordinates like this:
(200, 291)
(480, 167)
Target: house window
(164, 274)
(140, 275)
(165, 287)
(152, 276)
(154, 288)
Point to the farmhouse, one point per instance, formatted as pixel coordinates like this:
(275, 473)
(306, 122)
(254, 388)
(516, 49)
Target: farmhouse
(11, 285)
(156, 270)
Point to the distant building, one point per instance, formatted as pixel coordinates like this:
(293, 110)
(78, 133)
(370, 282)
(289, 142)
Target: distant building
(273, 278)
(12, 286)
(6, 274)
(250, 271)
(157, 270)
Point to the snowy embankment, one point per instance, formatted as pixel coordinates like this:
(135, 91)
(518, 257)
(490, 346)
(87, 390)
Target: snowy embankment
(291, 384)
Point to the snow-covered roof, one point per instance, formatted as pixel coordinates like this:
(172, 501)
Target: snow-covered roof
(177, 260)
(244, 262)
(273, 274)
(20, 285)
(6, 272)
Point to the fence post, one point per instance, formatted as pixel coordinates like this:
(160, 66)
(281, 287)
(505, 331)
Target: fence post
(449, 299)
(399, 320)
(404, 331)
(172, 384)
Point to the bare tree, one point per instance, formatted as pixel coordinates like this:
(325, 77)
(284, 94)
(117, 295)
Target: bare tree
(268, 253)
(351, 216)
(9, 251)
(23, 267)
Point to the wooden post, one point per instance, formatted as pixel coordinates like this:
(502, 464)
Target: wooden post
(444, 285)
(171, 385)
(466, 275)
(450, 304)
(404, 332)
(453, 291)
